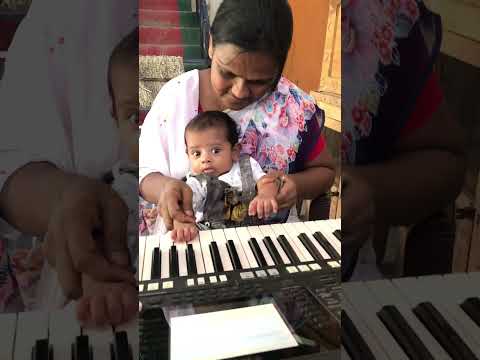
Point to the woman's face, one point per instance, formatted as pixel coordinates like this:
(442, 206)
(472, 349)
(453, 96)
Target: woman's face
(240, 78)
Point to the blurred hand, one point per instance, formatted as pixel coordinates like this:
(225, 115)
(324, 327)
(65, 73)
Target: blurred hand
(184, 232)
(175, 203)
(87, 233)
(263, 206)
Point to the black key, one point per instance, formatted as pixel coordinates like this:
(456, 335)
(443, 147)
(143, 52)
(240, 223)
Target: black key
(81, 348)
(257, 252)
(156, 264)
(326, 245)
(291, 254)
(338, 235)
(217, 261)
(472, 307)
(232, 251)
(403, 333)
(354, 343)
(443, 332)
(273, 250)
(310, 247)
(191, 264)
(41, 350)
(173, 262)
(121, 348)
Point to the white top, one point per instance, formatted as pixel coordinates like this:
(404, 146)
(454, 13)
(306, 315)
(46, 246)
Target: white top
(232, 178)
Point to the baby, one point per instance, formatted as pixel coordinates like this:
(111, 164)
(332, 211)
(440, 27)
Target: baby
(228, 189)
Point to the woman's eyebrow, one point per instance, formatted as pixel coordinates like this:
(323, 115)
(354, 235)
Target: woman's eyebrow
(225, 69)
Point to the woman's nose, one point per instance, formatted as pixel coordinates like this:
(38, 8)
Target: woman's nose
(240, 89)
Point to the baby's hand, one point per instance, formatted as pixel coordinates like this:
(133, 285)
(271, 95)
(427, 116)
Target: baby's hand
(183, 231)
(106, 303)
(263, 206)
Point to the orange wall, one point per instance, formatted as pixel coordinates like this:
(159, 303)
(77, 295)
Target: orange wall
(304, 63)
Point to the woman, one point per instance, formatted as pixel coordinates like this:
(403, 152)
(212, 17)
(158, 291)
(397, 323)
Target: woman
(280, 125)
(403, 154)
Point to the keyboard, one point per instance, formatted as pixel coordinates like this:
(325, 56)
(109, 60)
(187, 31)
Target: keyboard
(291, 264)
(429, 317)
(56, 335)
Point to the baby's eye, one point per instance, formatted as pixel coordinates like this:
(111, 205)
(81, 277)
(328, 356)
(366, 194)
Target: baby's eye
(196, 154)
(216, 151)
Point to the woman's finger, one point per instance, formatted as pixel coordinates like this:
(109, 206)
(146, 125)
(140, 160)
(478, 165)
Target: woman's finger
(114, 309)
(167, 219)
(99, 310)
(187, 199)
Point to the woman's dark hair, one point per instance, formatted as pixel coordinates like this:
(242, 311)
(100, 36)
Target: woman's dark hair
(255, 25)
(215, 119)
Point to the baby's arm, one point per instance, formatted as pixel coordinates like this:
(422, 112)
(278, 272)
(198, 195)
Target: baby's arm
(265, 203)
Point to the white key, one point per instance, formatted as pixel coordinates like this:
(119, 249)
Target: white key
(231, 234)
(166, 243)
(244, 236)
(8, 325)
(268, 231)
(99, 340)
(432, 289)
(301, 228)
(182, 259)
(386, 294)
(373, 344)
(133, 336)
(219, 238)
(257, 234)
(64, 329)
(205, 240)
(327, 228)
(141, 254)
(31, 326)
(293, 238)
(343, 354)
(366, 305)
(150, 243)
(197, 249)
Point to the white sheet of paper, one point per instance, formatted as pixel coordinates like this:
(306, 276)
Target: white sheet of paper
(229, 333)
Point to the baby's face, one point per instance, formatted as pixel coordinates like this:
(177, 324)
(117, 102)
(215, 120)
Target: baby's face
(210, 152)
(124, 80)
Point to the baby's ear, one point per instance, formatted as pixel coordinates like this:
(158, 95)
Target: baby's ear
(236, 152)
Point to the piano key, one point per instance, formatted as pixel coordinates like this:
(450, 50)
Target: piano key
(338, 235)
(353, 340)
(81, 348)
(344, 355)
(173, 260)
(374, 345)
(257, 252)
(285, 245)
(151, 242)
(121, 346)
(219, 236)
(205, 240)
(141, 251)
(197, 248)
(31, 326)
(156, 264)
(8, 324)
(99, 340)
(63, 329)
(41, 350)
(217, 261)
(258, 235)
(191, 261)
(387, 294)
(366, 305)
(165, 244)
(272, 250)
(311, 247)
(244, 237)
(231, 234)
(303, 229)
(268, 231)
(232, 251)
(432, 289)
(132, 331)
(326, 228)
(403, 333)
(326, 245)
(443, 331)
(471, 306)
(182, 258)
(300, 251)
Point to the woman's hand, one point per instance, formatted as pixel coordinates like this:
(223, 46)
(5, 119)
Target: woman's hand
(358, 212)
(287, 195)
(87, 233)
(175, 203)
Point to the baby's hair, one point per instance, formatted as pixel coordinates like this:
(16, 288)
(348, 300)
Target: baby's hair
(215, 119)
(125, 53)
